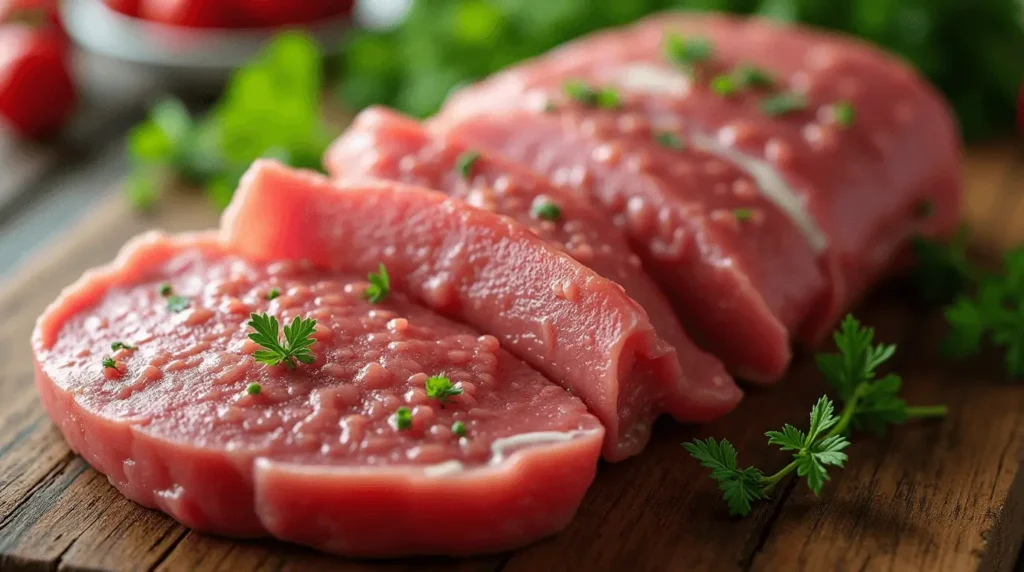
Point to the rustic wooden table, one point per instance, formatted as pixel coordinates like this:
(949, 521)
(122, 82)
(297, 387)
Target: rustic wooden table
(943, 495)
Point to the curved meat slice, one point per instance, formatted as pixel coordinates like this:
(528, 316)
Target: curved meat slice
(865, 143)
(316, 453)
(579, 329)
(384, 144)
(741, 276)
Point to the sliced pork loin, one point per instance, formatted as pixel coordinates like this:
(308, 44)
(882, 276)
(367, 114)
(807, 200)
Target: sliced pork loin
(741, 275)
(486, 270)
(829, 123)
(384, 144)
(318, 455)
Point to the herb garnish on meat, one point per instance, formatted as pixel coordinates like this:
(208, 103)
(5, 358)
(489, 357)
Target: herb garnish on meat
(298, 337)
(119, 345)
(459, 429)
(782, 104)
(547, 210)
(439, 387)
(669, 140)
(604, 98)
(403, 418)
(844, 114)
(464, 164)
(380, 285)
(273, 293)
(254, 389)
(109, 363)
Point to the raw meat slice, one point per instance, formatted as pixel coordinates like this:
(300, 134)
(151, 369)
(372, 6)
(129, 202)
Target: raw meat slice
(578, 328)
(740, 285)
(317, 455)
(869, 147)
(384, 144)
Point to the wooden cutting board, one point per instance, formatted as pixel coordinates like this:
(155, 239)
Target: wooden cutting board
(944, 495)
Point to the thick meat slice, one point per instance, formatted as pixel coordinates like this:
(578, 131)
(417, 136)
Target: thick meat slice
(578, 328)
(317, 455)
(384, 144)
(741, 275)
(870, 178)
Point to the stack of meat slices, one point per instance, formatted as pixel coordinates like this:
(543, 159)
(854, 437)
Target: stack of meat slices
(543, 249)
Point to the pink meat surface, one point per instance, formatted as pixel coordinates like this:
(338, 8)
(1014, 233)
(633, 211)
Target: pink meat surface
(741, 284)
(316, 457)
(384, 144)
(866, 184)
(486, 270)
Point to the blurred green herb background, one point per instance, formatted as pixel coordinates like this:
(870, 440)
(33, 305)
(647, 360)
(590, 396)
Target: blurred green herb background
(971, 49)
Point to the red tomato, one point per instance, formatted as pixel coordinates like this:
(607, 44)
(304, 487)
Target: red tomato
(126, 7)
(36, 92)
(186, 13)
(268, 13)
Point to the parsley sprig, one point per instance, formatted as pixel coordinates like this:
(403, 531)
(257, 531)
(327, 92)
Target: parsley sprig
(298, 338)
(994, 313)
(867, 402)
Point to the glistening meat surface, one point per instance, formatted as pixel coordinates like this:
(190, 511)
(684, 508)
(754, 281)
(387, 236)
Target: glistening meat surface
(576, 327)
(869, 182)
(317, 456)
(384, 144)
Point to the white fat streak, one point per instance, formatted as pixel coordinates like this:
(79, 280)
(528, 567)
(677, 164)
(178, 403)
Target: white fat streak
(652, 79)
(662, 80)
(772, 186)
(502, 448)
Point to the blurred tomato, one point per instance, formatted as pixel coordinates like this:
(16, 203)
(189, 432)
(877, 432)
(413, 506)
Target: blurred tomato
(267, 13)
(36, 92)
(186, 13)
(126, 7)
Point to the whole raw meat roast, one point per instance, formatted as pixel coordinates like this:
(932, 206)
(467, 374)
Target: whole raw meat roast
(498, 297)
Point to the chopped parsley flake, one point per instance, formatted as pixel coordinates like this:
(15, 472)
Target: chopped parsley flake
(742, 214)
(724, 85)
(121, 346)
(177, 303)
(403, 419)
(254, 389)
(273, 293)
(380, 285)
(547, 210)
(459, 428)
(605, 97)
(669, 140)
(464, 164)
(165, 290)
(844, 114)
(108, 362)
(687, 52)
(749, 76)
(439, 387)
(782, 104)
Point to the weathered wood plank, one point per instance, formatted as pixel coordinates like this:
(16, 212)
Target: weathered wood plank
(921, 498)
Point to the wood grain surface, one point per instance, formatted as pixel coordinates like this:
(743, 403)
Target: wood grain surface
(942, 495)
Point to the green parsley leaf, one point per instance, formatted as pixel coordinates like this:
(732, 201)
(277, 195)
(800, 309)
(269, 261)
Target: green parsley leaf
(748, 76)
(177, 303)
(459, 429)
(857, 358)
(298, 339)
(724, 85)
(464, 164)
(789, 439)
(109, 363)
(743, 214)
(121, 346)
(273, 293)
(546, 210)
(584, 94)
(811, 461)
(669, 140)
(439, 387)
(380, 285)
(165, 290)
(686, 52)
(782, 104)
(402, 419)
(844, 114)
(739, 487)
(254, 389)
